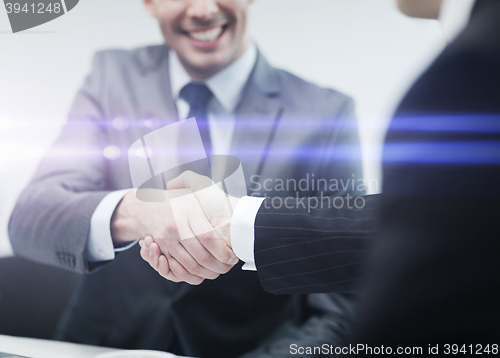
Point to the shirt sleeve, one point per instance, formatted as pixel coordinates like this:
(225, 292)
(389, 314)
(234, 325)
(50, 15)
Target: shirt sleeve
(100, 244)
(242, 230)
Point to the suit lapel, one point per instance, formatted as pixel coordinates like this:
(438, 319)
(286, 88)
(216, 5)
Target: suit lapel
(157, 97)
(170, 107)
(256, 118)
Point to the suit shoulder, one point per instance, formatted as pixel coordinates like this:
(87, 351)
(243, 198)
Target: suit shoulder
(140, 59)
(310, 96)
(465, 77)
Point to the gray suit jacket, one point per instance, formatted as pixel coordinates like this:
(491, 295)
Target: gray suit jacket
(286, 128)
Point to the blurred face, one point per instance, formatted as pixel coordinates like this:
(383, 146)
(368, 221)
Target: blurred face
(207, 35)
(427, 9)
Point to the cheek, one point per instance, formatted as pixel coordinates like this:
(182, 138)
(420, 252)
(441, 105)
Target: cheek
(168, 30)
(169, 18)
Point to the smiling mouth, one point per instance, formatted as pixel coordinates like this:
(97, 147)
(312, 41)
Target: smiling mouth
(208, 35)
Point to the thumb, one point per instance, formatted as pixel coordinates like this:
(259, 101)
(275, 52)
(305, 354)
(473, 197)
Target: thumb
(178, 182)
(190, 180)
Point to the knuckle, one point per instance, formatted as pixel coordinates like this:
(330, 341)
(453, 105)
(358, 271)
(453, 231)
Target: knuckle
(175, 268)
(194, 269)
(206, 238)
(170, 228)
(172, 248)
(224, 253)
(203, 259)
(182, 276)
(226, 268)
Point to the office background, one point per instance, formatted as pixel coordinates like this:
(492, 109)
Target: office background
(364, 48)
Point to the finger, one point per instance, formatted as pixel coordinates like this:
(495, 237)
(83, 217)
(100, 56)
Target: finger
(211, 240)
(215, 259)
(158, 261)
(148, 240)
(181, 207)
(164, 269)
(151, 252)
(144, 254)
(144, 250)
(181, 273)
(220, 255)
(188, 263)
(203, 257)
(218, 248)
(150, 256)
(190, 179)
(154, 255)
(196, 224)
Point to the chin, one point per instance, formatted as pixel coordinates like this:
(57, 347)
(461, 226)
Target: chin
(425, 9)
(207, 64)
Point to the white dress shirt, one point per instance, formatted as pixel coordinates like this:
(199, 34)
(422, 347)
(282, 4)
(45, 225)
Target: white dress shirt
(227, 87)
(453, 16)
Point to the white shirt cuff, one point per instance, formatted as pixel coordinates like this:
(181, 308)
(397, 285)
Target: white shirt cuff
(99, 243)
(242, 230)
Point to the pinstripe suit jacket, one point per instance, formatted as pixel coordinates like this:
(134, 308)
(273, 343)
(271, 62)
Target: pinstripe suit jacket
(301, 250)
(435, 269)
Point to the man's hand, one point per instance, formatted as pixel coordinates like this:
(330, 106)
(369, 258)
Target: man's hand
(217, 206)
(186, 260)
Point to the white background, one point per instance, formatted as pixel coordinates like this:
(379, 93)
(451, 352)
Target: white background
(364, 48)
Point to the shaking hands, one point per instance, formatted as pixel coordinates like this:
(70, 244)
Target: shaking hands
(194, 243)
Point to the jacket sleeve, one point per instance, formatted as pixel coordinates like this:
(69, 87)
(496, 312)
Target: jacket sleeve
(318, 244)
(51, 219)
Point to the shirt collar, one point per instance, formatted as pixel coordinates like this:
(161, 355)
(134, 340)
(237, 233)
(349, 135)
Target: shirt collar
(454, 16)
(226, 85)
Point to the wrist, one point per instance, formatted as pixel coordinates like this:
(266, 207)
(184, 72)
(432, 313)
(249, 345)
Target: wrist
(125, 227)
(224, 230)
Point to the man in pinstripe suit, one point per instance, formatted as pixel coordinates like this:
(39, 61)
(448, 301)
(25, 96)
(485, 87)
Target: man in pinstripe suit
(432, 273)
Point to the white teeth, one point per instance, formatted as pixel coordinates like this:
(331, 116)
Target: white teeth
(209, 35)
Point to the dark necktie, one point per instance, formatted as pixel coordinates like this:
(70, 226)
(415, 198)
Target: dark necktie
(197, 95)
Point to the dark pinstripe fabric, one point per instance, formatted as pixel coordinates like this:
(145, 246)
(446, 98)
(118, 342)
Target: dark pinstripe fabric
(322, 250)
(436, 270)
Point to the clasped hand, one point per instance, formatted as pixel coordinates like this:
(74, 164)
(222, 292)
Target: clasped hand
(186, 239)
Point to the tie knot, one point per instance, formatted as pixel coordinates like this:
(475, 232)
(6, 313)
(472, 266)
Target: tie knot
(196, 94)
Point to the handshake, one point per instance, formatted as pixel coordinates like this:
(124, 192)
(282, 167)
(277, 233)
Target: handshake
(186, 238)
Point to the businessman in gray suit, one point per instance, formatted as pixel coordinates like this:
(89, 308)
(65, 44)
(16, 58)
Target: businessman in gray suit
(79, 213)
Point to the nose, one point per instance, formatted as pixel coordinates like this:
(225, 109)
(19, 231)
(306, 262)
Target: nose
(202, 9)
